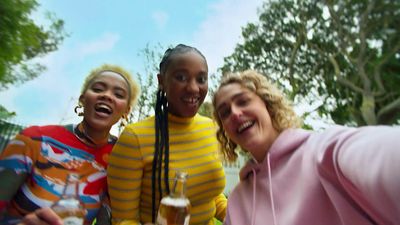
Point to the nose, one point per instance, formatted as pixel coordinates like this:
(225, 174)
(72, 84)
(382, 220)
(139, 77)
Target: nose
(107, 95)
(192, 86)
(236, 113)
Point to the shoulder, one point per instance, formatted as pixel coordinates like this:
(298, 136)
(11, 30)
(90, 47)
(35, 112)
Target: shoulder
(238, 193)
(43, 130)
(199, 119)
(149, 121)
(145, 126)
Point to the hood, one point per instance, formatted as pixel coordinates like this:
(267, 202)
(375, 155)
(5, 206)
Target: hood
(287, 142)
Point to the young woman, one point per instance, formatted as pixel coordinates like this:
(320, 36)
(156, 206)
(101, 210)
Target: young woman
(148, 154)
(338, 176)
(34, 166)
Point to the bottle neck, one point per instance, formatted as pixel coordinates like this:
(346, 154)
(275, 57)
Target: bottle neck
(71, 187)
(179, 188)
(180, 185)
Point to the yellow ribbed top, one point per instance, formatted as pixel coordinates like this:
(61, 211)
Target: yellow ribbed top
(193, 148)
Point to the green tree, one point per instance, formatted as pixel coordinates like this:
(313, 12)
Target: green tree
(22, 40)
(206, 109)
(345, 54)
(148, 83)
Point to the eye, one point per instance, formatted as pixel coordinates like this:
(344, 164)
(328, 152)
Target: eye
(97, 88)
(243, 101)
(181, 77)
(120, 93)
(224, 112)
(202, 79)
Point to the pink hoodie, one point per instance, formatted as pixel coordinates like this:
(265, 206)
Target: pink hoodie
(340, 176)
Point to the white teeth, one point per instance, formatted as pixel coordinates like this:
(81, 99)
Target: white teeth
(105, 107)
(244, 126)
(190, 100)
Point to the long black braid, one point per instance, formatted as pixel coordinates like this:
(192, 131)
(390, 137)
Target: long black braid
(161, 148)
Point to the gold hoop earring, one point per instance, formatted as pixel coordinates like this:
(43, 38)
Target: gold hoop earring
(124, 120)
(79, 109)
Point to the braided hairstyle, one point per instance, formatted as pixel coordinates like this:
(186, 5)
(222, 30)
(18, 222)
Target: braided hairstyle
(161, 148)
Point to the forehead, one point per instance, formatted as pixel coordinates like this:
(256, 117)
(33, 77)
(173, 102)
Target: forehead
(111, 78)
(187, 60)
(228, 93)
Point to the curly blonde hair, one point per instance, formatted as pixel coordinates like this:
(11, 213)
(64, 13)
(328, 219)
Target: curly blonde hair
(279, 107)
(133, 87)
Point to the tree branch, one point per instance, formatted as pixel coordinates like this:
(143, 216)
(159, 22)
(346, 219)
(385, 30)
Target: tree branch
(392, 107)
(362, 58)
(342, 37)
(342, 80)
(377, 69)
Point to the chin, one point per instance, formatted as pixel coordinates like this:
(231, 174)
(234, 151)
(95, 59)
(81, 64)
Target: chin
(192, 114)
(101, 125)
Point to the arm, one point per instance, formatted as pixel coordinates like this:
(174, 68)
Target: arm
(103, 217)
(365, 163)
(220, 204)
(227, 220)
(15, 165)
(124, 177)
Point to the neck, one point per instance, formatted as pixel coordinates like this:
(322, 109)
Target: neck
(94, 136)
(260, 153)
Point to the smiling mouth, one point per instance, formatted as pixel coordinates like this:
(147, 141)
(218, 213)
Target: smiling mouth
(244, 126)
(103, 108)
(191, 100)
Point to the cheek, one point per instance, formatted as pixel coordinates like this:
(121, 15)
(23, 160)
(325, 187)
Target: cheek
(172, 91)
(228, 127)
(121, 106)
(203, 88)
(87, 98)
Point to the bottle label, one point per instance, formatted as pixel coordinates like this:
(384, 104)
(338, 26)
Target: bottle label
(72, 220)
(187, 220)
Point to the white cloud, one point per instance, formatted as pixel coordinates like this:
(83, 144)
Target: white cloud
(104, 43)
(51, 97)
(221, 31)
(160, 18)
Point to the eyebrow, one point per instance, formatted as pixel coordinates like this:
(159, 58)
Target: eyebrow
(233, 98)
(113, 87)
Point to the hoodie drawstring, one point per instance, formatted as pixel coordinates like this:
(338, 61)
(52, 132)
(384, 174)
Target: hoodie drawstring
(270, 190)
(253, 212)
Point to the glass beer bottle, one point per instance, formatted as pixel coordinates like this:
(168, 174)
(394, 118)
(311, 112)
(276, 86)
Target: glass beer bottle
(175, 208)
(69, 207)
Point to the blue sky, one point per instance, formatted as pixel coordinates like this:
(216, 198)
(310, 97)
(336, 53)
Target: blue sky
(105, 31)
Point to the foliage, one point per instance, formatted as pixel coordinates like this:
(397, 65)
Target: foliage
(343, 54)
(206, 109)
(4, 114)
(148, 83)
(23, 40)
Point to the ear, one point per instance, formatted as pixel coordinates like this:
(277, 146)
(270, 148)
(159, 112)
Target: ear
(81, 99)
(160, 81)
(128, 109)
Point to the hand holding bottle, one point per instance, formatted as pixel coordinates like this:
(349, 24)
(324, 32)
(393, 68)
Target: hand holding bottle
(174, 209)
(42, 216)
(69, 207)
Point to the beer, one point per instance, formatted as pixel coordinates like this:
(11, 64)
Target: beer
(175, 208)
(69, 207)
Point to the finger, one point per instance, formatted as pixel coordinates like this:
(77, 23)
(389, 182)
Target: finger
(32, 219)
(49, 216)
